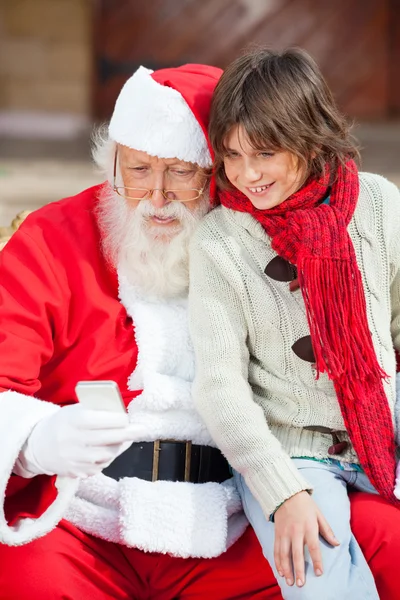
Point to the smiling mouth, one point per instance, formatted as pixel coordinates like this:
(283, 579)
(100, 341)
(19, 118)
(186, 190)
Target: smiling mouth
(259, 189)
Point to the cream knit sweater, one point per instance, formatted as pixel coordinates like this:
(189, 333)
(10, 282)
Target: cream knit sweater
(254, 393)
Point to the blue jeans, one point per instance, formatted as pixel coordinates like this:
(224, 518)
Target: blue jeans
(347, 575)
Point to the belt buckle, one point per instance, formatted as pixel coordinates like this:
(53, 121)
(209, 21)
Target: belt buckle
(156, 459)
(188, 459)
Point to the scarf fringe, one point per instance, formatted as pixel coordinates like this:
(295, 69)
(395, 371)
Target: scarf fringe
(345, 352)
(344, 349)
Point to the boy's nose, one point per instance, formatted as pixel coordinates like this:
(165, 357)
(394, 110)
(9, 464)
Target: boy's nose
(251, 173)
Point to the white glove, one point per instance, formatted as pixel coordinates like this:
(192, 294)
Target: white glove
(75, 442)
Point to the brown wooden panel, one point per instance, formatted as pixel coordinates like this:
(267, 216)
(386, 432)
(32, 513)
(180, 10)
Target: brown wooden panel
(394, 59)
(352, 40)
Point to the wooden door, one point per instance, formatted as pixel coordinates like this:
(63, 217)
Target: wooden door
(355, 42)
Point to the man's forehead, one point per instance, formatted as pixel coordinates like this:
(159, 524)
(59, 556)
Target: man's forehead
(132, 155)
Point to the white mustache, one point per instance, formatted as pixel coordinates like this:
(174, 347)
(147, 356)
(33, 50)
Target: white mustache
(175, 210)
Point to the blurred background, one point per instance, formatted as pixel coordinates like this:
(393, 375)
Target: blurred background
(63, 62)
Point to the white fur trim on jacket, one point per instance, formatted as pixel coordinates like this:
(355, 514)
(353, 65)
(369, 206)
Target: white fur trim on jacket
(18, 416)
(164, 371)
(156, 119)
(182, 519)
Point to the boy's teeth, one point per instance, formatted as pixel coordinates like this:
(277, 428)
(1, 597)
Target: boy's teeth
(259, 189)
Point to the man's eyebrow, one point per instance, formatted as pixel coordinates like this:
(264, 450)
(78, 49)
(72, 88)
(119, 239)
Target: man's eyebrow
(184, 165)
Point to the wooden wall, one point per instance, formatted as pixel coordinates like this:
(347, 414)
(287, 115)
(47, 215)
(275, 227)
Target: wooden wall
(355, 42)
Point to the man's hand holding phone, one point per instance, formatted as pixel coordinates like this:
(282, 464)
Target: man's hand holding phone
(78, 441)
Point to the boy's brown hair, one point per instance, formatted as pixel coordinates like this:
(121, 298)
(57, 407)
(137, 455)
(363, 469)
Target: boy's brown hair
(283, 103)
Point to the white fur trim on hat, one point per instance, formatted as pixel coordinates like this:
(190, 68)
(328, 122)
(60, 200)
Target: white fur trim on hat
(155, 119)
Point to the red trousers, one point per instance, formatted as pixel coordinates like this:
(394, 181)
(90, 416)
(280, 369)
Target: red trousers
(70, 565)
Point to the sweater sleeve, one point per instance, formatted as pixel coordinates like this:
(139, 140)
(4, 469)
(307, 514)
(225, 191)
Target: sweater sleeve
(391, 201)
(221, 391)
(391, 197)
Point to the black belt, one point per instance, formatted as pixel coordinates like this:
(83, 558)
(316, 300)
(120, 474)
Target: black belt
(169, 460)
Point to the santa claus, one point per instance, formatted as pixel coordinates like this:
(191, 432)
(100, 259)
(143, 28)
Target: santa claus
(94, 287)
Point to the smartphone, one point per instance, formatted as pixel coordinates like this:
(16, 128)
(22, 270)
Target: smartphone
(100, 395)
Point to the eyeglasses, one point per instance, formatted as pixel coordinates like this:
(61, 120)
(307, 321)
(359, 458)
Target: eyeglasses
(177, 195)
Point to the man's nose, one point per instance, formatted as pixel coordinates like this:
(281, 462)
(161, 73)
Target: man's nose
(157, 199)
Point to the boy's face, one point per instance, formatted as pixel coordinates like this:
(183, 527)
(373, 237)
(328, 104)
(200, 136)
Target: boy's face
(266, 177)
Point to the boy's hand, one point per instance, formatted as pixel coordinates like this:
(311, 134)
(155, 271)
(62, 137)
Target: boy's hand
(298, 523)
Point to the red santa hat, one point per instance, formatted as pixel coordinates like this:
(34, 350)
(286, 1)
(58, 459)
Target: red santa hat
(165, 113)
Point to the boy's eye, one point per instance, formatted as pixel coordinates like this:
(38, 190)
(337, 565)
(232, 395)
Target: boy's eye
(231, 154)
(266, 153)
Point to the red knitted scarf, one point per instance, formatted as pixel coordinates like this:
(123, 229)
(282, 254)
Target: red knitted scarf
(314, 237)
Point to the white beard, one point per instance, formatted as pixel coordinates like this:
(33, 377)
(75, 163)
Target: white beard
(154, 259)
